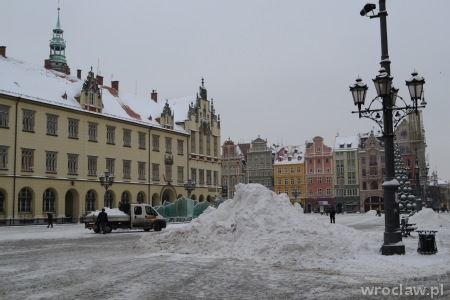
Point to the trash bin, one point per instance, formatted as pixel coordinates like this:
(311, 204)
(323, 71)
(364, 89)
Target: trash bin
(427, 242)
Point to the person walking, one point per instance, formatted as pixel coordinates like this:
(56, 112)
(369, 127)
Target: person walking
(102, 219)
(50, 220)
(332, 215)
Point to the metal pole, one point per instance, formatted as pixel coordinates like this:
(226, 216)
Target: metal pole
(393, 243)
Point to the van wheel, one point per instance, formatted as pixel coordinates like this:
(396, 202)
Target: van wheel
(108, 229)
(97, 230)
(146, 229)
(157, 227)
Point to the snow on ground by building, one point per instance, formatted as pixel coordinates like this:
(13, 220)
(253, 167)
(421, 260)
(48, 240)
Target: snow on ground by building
(259, 225)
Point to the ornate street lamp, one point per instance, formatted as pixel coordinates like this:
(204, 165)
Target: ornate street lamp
(295, 193)
(384, 117)
(106, 179)
(189, 186)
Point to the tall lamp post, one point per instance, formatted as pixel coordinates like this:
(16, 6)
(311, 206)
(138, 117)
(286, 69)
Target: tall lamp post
(106, 179)
(189, 186)
(387, 95)
(295, 193)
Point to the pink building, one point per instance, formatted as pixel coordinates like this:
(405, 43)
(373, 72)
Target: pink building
(318, 175)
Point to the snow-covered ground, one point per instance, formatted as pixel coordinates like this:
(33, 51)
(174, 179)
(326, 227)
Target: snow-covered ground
(254, 246)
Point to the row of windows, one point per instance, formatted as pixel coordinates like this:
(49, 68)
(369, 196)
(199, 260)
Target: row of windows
(28, 122)
(294, 192)
(297, 169)
(200, 145)
(320, 192)
(25, 203)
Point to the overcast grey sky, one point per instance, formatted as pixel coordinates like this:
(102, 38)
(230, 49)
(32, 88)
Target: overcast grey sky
(280, 70)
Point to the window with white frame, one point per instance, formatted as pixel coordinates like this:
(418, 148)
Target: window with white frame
(90, 201)
(28, 120)
(48, 201)
(200, 143)
(110, 134)
(310, 180)
(4, 157)
(201, 175)
(319, 192)
(168, 145)
(4, 116)
(25, 200)
(92, 131)
(319, 180)
(180, 147)
(50, 161)
(168, 173)
(52, 124)
(141, 170)
(142, 140)
(292, 180)
(108, 199)
(208, 177)
(180, 174)
(127, 138)
(155, 142)
(73, 128)
(72, 163)
(193, 142)
(215, 146)
(328, 179)
(27, 159)
(328, 191)
(110, 165)
(208, 145)
(155, 172)
(92, 165)
(126, 169)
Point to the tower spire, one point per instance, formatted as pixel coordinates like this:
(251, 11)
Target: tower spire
(58, 49)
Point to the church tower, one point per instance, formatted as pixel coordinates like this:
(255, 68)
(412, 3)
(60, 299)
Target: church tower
(57, 59)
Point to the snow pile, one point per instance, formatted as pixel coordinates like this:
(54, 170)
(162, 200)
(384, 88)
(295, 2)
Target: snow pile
(428, 219)
(109, 211)
(259, 225)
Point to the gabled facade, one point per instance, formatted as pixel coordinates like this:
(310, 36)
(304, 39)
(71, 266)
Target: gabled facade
(372, 171)
(346, 174)
(260, 163)
(233, 168)
(319, 175)
(289, 172)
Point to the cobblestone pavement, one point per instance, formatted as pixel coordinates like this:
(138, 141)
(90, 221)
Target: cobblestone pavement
(113, 267)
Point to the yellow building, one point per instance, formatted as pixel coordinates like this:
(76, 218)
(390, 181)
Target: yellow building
(289, 172)
(59, 133)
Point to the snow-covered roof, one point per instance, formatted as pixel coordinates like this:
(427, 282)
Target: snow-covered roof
(36, 83)
(290, 154)
(345, 143)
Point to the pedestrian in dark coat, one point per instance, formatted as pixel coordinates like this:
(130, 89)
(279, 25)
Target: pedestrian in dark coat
(102, 219)
(49, 220)
(332, 215)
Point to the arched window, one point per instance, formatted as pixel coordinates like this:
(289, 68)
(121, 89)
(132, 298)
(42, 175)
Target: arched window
(2, 201)
(140, 197)
(108, 199)
(48, 204)
(25, 200)
(125, 199)
(90, 201)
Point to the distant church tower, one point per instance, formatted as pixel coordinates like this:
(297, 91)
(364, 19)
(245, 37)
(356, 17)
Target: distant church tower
(57, 59)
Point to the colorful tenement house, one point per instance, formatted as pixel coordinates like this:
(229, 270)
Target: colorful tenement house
(319, 175)
(61, 132)
(260, 163)
(289, 172)
(233, 168)
(346, 175)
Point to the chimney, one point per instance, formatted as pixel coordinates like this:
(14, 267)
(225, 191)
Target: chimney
(115, 85)
(154, 96)
(47, 64)
(3, 51)
(99, 80)
(79, 74)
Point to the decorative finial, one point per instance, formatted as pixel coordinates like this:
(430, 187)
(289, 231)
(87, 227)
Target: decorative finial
(203, 82)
